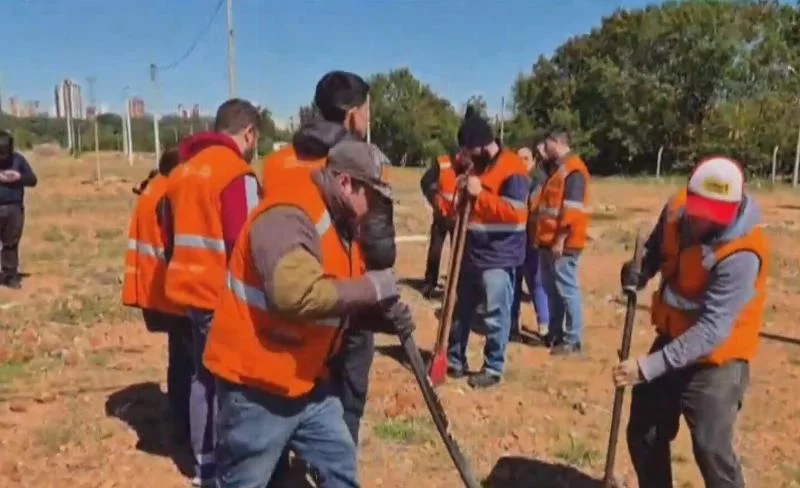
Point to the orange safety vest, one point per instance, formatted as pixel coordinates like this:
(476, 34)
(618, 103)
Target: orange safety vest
(446, 186)
(248, 344)
(283, 164)
(684, 280)
(196, 270)
(145, 265)
(507, 164)
(279, 164)
(553, 213)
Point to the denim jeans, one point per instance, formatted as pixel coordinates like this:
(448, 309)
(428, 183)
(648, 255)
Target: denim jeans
(709, 398)
(560, 279)
(496, 287)
(530, 271)
(256, 427)
(203, 404)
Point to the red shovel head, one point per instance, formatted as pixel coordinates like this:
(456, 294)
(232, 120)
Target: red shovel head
(438, 369)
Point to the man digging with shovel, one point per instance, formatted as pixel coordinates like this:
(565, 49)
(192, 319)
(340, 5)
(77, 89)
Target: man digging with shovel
(707, 311)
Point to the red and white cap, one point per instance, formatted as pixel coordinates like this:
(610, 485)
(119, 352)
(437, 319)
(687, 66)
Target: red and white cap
(715, 190)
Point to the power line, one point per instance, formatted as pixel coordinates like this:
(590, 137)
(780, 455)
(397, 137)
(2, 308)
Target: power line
(197, 39)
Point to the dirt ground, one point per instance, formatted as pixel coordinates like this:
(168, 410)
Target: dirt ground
(82, 381)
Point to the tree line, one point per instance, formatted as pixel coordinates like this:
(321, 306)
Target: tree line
(691, 77)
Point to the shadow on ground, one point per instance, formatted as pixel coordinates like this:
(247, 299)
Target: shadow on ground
(396, 352)
(418, 285)
(143, 408)
(522, 472)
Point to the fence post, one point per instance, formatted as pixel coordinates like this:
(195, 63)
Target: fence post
(658, 163)
(774, 164)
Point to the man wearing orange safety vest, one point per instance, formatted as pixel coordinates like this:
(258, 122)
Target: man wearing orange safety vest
(438, 185)
(708, 311)
(559, 211)
(341, 101)
(143, 288)
(295, 280)
(209, 198)
(494, 248)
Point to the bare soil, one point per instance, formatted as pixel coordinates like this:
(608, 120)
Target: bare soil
(82, 381)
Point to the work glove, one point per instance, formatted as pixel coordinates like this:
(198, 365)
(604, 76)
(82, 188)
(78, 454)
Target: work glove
(385, 284)
(631, 277)
(399, 318)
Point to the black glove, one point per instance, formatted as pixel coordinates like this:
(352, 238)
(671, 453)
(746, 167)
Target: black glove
(399, 317)
(630, 276)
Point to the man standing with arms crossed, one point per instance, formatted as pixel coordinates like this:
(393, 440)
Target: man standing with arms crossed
(708, 312)
(209, 197)
(294, 280)
(561, 219)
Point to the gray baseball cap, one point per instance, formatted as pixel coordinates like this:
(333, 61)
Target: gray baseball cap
(362, 161)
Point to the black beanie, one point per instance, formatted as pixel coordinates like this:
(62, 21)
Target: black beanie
(475, 131)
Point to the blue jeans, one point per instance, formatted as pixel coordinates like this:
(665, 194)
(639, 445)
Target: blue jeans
(202, 401)
(560, 278)
(256, 427)
(531, 273)
(496, 287)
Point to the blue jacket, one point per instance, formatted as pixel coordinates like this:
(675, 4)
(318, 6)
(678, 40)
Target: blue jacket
(14, 193)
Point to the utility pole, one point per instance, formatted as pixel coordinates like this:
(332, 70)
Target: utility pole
(231, 53)
(156, 99)
(369, 121)
(92, 100)
(502, 118)
(130, 130)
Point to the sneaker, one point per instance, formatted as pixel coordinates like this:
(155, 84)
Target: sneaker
(544, 329)
(483, 379)
(455, 373)
(428, 290)
(566, 350)
(13, 281)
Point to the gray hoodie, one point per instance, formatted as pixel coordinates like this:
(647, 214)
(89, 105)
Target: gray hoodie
(731, 284)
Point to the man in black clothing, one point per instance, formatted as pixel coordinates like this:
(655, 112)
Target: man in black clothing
(15, 175)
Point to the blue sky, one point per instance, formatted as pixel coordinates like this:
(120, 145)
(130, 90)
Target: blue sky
(459, 47)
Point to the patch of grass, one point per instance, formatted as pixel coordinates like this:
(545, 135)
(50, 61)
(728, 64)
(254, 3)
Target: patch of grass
(578, 453)
(86, 309)
(107, 234)
(100, 359)
(55, 234)
(11, 371)
(52, 436)
(405, 431)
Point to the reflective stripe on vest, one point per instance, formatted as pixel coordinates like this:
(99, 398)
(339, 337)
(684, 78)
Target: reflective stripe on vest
(254, 297)
(193, 241)
(146, 249)
(674, 299)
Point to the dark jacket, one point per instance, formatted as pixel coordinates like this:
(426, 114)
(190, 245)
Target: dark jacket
(14, 193)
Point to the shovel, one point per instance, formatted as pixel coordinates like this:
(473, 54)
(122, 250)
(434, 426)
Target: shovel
(624, 352)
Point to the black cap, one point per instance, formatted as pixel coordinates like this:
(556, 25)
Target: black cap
(362, 161)
(475, 132)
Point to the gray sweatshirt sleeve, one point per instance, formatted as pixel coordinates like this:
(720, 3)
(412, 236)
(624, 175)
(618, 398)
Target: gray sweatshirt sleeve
(732, 285)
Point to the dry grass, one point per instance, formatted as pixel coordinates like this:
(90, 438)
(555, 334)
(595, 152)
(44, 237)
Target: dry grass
(76, 368)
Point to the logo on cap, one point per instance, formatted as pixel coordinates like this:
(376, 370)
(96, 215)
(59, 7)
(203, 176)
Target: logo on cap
(716, 187)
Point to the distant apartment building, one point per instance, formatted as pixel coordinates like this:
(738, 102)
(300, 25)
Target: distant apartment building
(136, 107)
(13, 106)
(68, 100)
(196, 111)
